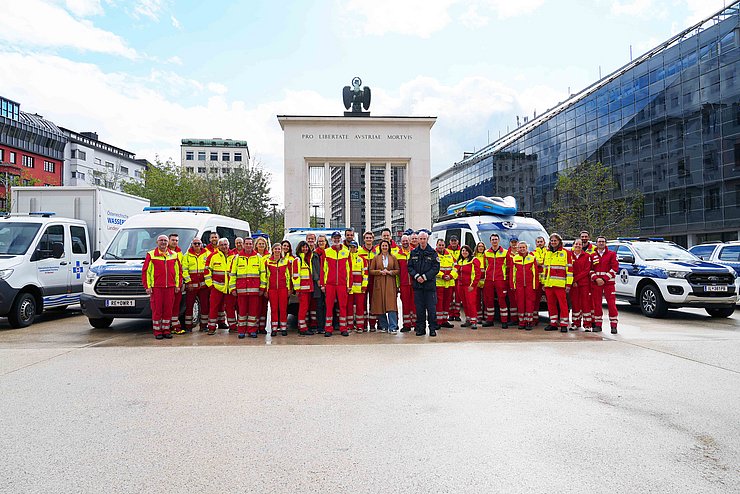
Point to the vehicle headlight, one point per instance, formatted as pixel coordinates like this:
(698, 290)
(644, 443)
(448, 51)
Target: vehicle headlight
(5, 273)
(677, 274)
(90, 277)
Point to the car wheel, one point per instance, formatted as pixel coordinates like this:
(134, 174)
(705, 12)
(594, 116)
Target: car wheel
(23, 311)
(100, 322)
(651, 302)
(721, 312)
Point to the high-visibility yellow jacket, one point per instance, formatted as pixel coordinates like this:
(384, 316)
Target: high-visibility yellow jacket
(524, 271)
(558, 270)
(301, 273)
(481, 256)
(246, 274)
(359, 273)
(217, 271)
(276, 273)
(336, 270)
(161, 269)
(194, 267)
(446, 267)
(496, 268)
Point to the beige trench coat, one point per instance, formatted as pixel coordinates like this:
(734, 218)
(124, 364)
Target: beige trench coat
(384, 286)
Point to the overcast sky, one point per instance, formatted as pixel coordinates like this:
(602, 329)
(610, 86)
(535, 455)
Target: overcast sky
(146, 73)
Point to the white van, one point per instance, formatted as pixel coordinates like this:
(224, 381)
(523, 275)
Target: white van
(474, 221)
(113, 285)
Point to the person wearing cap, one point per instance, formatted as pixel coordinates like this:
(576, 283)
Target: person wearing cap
(457, 298)
(423, 267)
(160, 277)
(511, 292)
(356, 299)
(336, 283)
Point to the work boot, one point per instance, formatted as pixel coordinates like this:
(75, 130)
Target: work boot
(421, 333)
(432, 332)
(158, 337)
(563, 329)
(327, 334)
(262, 331)
(446, 324)
(242, 336)
(223, 325)
(503, 325)
(528, 328)
(597, 329)
(272, 333)
(474, 327)
(466, 324)
(550, 327)
(310, 332)
(284, 332)
(405, 329)
(487, 324)
(252, 335)
(168, 336)
(344, 333)
(614, 330)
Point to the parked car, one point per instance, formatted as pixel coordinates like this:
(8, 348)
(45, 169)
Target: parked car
(727, 253)
(659, 275)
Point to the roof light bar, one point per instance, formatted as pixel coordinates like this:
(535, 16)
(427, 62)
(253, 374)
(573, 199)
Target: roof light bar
(43, 214)
(188, 209)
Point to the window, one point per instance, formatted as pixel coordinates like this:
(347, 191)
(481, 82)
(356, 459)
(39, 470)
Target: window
(226, 156)
(214, 156)
(189, 169)
(702, 251)
(623, 251)
(189, 155)
(730, 254)
(2, 155)
(79, 175)
(98, 162)
(49, 166)
(11, 157)
(124, 170)
(237, 156)
(225, 171)
(201, 169)
(79, 155)
(109, 165)
(27, 161)
(712, 199)
(52, 242)
(201, 155)
(79, 240)
(138, 174)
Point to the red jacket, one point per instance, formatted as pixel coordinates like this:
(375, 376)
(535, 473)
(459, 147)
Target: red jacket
(336, 269)
(604, 266)
(581, 268)
(496, 269)
(469, 273)
(161, 270)
(404, 278)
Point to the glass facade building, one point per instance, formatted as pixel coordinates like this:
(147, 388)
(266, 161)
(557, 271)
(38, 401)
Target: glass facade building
(667, 123)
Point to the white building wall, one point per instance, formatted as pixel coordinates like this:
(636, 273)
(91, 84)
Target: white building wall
(201, 167)
(99, 167)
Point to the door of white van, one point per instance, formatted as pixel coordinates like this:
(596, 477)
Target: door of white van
(80, 257)
(50, 260)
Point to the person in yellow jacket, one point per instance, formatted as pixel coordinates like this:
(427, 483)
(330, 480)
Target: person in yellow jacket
(245, 281)
(173, 242)
(445, 284)
(193, 274)
(356, 298)
(525, 280)
(558, 276)
(539, 254)
(217, 280)
(277, 282)
(160, 277)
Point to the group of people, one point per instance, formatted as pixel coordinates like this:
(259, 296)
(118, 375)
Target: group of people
(363, 282)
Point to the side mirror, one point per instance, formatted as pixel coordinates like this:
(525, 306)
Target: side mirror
(57, 250)
(96, 255)
(626, 259)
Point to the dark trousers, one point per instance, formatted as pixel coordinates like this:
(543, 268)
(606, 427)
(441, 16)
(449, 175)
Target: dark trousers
(426, 309)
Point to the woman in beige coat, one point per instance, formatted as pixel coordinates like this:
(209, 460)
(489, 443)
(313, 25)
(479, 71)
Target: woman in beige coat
(384, 268)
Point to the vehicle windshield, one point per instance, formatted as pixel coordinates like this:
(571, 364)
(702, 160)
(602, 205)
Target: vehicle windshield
(134, 243)
(16, 238)
(657, 251)
(524, 235)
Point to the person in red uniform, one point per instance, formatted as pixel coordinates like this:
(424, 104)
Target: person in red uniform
(539, 253)
(245, 281)
(230, 305)
(580, 290)
(193, 273)
(175, 326)
(480, 253)
(456, 304)
(217, 280)
(511, 292)
(261, 247)
(303, 285)
(276, 279)
(160, 276)
(604, 269)
(526, 279)
(445, 284)
(356, 300)
(406, 286)
(496, 286)
(367, 252)
(336, 283)
(469, 273)
(588, 247)
(213, 239)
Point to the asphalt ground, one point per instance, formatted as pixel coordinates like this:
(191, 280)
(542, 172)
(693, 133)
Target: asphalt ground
(652, 409)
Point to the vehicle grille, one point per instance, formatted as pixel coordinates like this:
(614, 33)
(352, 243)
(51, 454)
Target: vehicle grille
(120, 285)
(711, 279)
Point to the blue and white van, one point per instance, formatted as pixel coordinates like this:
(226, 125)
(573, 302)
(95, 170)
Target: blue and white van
(113, 287)
(659, 275)
(476, 220)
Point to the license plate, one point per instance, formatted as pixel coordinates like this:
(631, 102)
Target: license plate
(715, 288)
(120, 303)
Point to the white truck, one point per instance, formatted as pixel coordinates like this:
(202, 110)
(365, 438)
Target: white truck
(48, 243)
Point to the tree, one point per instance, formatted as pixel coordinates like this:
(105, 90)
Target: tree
(166, 184)
(588, 197)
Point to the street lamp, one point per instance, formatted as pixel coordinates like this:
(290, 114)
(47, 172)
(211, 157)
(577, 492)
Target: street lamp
(274, 223)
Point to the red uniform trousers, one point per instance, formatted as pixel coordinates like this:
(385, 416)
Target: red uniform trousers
(278, 298)
(481, 305)
(313, 322)
(526, 300)
(408, 306)
(262, 319)
(580, 300)
(201, 294)
(356, 311)
(444, 298)
(230, 310)
(304, 304)
(539, 292)
(215, 307)
(161, 301)
(175, 314)
(457, 302)
(470, 303)
(249, 312)
(334, 293)
(557, 306)
(513, 309)
(606, 291)
(497, 289)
